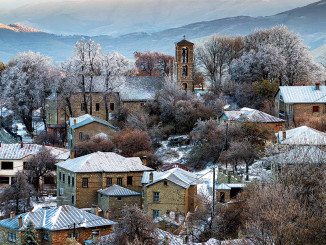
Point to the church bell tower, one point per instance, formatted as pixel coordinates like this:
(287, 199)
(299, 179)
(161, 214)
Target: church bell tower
(184, 59)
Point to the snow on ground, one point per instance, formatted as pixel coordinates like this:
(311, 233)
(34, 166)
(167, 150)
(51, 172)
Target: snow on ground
(21, 130)
(45, 202)
(172, 154)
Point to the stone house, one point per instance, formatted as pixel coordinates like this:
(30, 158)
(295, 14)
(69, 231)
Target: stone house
(13, 158)
(54, 226)
(113, 199)
(173, 190)
(79, 179)
(246, 115)
(292, 103)
(87, 126)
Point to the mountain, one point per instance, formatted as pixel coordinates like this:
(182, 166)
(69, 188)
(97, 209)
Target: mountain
(18, 28)
(309, 21)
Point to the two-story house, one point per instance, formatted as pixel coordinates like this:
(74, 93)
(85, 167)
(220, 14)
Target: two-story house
(79, 179)
(54, 226)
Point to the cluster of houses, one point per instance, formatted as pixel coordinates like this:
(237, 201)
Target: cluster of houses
(92, 190)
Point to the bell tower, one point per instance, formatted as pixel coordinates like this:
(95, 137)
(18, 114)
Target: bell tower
(184, 59)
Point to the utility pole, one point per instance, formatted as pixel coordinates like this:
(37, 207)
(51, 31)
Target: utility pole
(213, 191)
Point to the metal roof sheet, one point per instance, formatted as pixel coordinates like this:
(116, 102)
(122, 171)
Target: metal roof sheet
(103, 162)
(178, 176)
(87, 119)
(250, 115)
(303, 94)
(302, 136)
(223, 187)
(117, 190)
(15, 151)
(59, 218)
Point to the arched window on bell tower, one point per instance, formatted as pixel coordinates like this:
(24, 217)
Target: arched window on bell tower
(185, 86)
(184, 55)
(184, 71)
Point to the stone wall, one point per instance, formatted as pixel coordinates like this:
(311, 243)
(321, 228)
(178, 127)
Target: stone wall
(300, 110)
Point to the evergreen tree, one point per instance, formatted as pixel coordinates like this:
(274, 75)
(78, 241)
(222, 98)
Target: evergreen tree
(30, 236)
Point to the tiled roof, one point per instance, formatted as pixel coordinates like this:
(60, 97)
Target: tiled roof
(59, 218)
(103, 162)
(185, 42)
(178, 176)
(250, 115)
(117, 190)
(302, 136)
(15, 151)
(300, 155)
(303, 94)
(86, 119)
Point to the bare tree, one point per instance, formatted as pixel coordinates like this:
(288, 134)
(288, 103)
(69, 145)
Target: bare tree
(94, 144)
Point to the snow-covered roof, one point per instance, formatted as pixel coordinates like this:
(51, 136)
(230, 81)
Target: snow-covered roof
(103, 162)
(16, 151)
(250, 115)
(302, 136)
(117, 190)
(300, 155)
(302, 94)
(59, 218)
(223, 187)
(178, 176)
(87, 119)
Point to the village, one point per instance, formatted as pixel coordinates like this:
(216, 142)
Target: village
(211, 146)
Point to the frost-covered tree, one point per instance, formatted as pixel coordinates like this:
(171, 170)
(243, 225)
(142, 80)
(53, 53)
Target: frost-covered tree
(30, 236)
(28, 80)
(215, 56)
(113, 70)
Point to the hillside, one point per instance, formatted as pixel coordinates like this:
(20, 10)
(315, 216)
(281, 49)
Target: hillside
(308, 21)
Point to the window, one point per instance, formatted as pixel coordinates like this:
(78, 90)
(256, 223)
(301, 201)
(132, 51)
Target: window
(85, 183)
(112, 106)
(315, 109)
(4, 180)
(82, 107)
(156, 213)
(81, 135)
(60, 191)
(95, 233)
(129, 180)
(108, 182)
(46, 236)
(185, 71)
(165, 183)
(7, 165)
(184, 55)
(25, 165)
(142, 104)
(63, 178)
(72, 199)
(59, 175)
(185, 86)
(119, 198)
(73, 181)
(11, 236)
(119, 181)
(97, 106)
(156, 197)
(68, 180)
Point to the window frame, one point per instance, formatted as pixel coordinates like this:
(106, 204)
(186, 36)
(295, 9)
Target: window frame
(68, 180)
(84, 182)
(109, 182)
(97, 107)
(63, 178)
(119, 179)
(156, 213)
(315, 109)
(7, 162)
(11, 236)
(81, 135)
(156, 197)
(129, 180)
(112, 106)
(46, 236)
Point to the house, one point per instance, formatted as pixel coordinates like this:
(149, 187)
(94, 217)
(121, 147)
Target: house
(113, 199)
(301, 136)
(13, 158)
(86, 126)
(79, 179)
(294, 102)
(54, 226)
(173, 190)
(227, 192)
(245, 115)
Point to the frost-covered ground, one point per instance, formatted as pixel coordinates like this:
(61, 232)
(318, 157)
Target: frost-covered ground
(172, 154)
(47, 201)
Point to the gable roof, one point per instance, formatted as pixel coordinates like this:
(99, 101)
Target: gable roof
(178, 176)
(16, 151)
(87, 119)
(185, 42)
(302, 136)
(250, 115)
(302, 94)
(59, 218)
(117, 190)
(103, 162)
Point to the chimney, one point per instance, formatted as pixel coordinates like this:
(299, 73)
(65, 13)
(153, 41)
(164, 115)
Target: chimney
(151, 177)
(12, 215)
(176, 216)
(95, 209)
(144, 160)
(107, 214)
(303, 84)
(72, 154)
(297, 84)
(20, 221)
(284, 135)
(317, 86)
(75, 121)
(167, 242)
(21, 145)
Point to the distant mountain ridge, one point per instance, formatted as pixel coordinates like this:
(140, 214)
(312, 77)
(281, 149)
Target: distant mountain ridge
(18, 28)
(309, 21)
